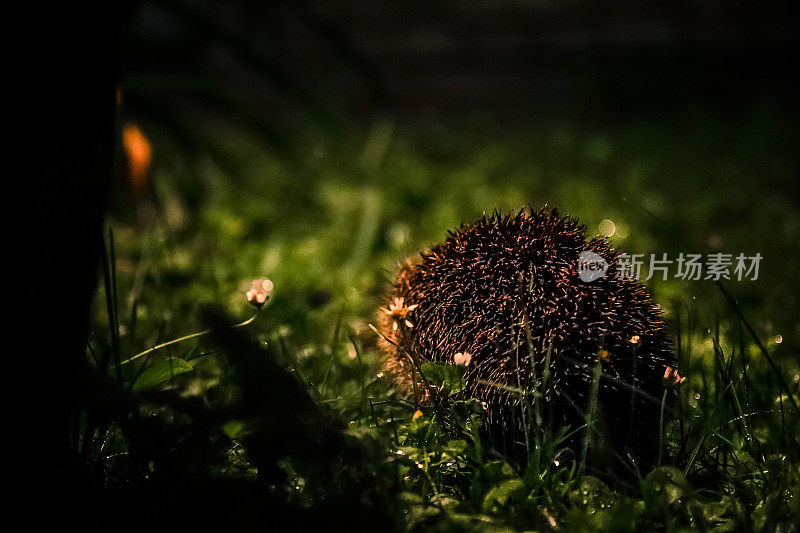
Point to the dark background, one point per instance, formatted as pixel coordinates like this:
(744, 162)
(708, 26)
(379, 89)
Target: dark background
(507, 58)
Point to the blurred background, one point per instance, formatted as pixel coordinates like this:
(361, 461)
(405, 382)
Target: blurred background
(319, 143)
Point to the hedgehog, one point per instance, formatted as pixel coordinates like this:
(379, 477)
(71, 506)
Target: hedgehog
(505, 295)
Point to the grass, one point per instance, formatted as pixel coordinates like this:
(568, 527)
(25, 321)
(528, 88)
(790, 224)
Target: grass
(329, 226)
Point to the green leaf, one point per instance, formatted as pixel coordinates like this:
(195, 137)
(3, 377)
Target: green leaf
(712, 515)
(504, 493)
(231, 428)
(664, 486)
(448, 378)
(455, 447)
(161, 372)
(488, 475)
(589, 493)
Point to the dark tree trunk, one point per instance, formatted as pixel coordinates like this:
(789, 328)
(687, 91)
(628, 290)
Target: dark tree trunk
(60, 97)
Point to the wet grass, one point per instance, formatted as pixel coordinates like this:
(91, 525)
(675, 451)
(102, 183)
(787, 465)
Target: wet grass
(328, 228)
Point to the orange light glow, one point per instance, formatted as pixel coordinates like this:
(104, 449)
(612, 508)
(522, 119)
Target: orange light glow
(138, 151)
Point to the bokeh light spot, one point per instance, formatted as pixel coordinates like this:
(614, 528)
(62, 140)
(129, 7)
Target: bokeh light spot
(607, 228)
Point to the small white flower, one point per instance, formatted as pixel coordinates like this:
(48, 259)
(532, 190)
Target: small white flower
(399, 311)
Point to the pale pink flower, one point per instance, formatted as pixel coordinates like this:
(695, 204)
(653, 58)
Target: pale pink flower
(462, 358)
(672, 378)
(260, 292)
